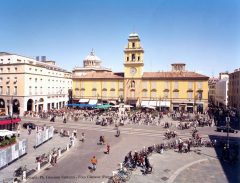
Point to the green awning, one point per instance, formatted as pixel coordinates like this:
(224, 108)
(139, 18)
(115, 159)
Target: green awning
(105, 106)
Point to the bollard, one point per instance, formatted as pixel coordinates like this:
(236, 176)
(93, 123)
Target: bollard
(121, 166)
(144, 148)
(67, 147)
(24, 176)
(38, 166)
(68, 133)
(59, 152)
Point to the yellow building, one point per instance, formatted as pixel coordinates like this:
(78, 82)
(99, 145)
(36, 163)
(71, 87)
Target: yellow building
(177, 89)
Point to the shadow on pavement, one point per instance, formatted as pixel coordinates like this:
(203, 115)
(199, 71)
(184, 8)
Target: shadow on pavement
(229, 160)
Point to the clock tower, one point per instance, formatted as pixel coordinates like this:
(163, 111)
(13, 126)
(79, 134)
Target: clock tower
(133, 69)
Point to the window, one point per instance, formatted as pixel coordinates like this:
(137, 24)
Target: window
(8, 90)
(8, 69)
(132, 84)
(1, 80)
(1, 90)
(82, 92)
(36, 90)
(153, 94)
(15, 69)
(199, 86)
(94, 84)
(176, 94)
(145, 84)
(121, 93)
(144, 93)
(154, 84)
(133, 57)
(30, 90)
(94, 93)
(166, 85)
(104, 84)
(190, 95)
(35, 79)
(175, 85)
(41, 92)
(113, 84)
(15, 90)
(138, 58)
(30, 68)
(127, 58)
(112, 93)
(190, 85)
(1, 69)
(104, 93)
(121, 85)
(49, 90)
(77, 92)
(133, 45)
(166, 94)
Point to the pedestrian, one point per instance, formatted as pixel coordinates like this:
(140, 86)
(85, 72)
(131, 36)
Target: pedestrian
(108, 148)
(94, 163)
(83, 137)
(75, 133)
(18, 131)
(148, 165)
(29, 131)
(188, 146)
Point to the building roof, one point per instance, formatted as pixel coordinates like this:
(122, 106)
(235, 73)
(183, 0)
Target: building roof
(92, 57)
(102, 75)
(173, 75)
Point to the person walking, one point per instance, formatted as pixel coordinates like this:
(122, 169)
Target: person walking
(94, 163)
(83, 137)
(108, 149)
(75, 133)
(148, 165)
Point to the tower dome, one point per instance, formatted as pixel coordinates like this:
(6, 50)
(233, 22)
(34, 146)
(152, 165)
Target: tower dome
(92, 61)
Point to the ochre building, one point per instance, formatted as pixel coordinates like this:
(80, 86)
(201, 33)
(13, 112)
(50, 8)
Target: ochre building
(177, 89)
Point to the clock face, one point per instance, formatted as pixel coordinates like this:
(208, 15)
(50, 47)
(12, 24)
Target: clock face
(133, 71)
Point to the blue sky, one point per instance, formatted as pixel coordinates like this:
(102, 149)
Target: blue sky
(204, 34)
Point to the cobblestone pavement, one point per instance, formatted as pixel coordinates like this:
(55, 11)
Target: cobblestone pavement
(200, 165)
(6, 174)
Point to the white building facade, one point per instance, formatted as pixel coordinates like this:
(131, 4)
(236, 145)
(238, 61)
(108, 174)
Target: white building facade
(221, 90)
(30, 85)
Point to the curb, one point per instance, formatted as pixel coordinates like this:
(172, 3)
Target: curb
(47, 165)
(176, 173)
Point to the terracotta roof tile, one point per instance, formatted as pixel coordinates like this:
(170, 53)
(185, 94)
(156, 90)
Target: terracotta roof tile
(100, 75)
(174, 75)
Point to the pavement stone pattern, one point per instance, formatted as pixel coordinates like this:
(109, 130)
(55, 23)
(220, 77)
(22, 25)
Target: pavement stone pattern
(6, 174)
(133, 137)
(203, 167)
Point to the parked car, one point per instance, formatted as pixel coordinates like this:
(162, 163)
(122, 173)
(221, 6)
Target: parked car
(225, 129)
(30, 125)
